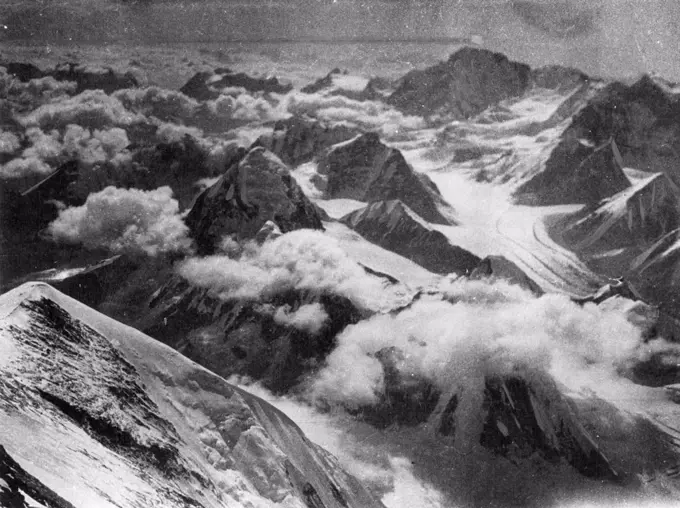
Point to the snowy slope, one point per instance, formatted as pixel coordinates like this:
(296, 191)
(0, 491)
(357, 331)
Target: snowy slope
(104, 416)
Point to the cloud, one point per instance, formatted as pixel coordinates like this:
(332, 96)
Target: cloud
(225, 112)
(34, 92)
(124, 221)
(369, 115)
(47, 150)
(299, 260)
(484, 327)
(91, 109)
(309, 318)
(9, 142)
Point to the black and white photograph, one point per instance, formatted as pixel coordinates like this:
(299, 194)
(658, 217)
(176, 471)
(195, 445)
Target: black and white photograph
(339, 253)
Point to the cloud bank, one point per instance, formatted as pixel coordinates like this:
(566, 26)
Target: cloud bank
(124, 221)
(482, 327)
(299, 260)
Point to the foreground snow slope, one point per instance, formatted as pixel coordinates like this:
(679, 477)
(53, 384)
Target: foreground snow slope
(101, 415)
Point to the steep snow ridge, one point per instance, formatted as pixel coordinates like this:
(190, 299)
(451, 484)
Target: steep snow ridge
(587, 176)
(394, 226)
(643, 212)
(117, 419)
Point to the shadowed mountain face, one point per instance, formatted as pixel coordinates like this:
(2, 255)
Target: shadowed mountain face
(641, 119)
(365, 169)
(392, 225)
(252, 191)
(470, 81)
(298, 140)
(581, 176)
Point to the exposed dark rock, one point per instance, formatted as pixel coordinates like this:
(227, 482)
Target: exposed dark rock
(471, 80)
(87, 78)
(642, 119)
(395, 227)
(365, 169)
(257, 189)
(242, 337)
(582, 176)
(15, 482)
(208, 85)
(298, 140)
(519, 423)
(501, 268)
(406, 400)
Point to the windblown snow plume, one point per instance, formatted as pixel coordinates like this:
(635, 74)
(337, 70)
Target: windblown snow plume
(300, 260)
(125, 220)
(482, 327)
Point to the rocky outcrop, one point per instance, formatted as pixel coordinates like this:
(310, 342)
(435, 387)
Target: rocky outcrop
(205, 85)
(466, 84)
(393, 226)
(500, 267)
(16, 484)
(365, 169)
(656, 273)
(253, 191)
(577, 173)
(298, 140)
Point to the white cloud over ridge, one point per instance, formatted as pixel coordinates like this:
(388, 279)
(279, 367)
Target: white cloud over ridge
(299, 260)
(489, 328)
(124, 221)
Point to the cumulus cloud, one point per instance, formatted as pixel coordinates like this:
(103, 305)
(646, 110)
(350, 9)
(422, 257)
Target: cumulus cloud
(309, 318)
(47, 150)
(9, 142)
(367, 115)
(225, 112)
(481, 327)
(125, 221)
(91, 109)
(301, 260)
(34, 92)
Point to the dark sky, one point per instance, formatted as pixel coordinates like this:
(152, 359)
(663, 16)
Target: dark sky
(606, 37)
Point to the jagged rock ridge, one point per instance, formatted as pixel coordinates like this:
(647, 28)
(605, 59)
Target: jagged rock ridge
(365, 169)
(393, 226)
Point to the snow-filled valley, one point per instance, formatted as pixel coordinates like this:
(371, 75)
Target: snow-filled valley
(439, 285)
